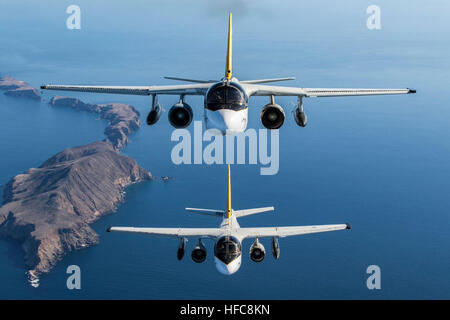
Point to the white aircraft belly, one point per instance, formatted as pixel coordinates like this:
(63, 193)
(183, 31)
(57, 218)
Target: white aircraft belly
(228, 269)
(227, 121)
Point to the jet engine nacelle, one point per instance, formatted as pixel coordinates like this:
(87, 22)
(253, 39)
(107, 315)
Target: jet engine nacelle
(257, 251)
(180, 115)
(272, 116)
(198, 255)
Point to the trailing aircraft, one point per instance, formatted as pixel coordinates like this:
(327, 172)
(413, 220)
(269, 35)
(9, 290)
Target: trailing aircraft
(229, 235)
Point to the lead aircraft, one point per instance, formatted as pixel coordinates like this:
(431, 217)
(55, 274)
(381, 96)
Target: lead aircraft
(229, 235)
(226, 100)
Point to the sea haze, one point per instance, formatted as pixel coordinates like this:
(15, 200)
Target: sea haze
(379, 163)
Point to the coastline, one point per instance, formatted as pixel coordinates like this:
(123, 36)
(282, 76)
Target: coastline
(48, 209)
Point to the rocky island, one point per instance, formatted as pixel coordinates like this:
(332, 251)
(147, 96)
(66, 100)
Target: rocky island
(123, 118)
(18, 88)
(48, 209)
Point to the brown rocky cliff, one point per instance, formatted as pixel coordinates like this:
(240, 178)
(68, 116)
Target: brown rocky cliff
(123, 118)
(18, 88)
(49, 209)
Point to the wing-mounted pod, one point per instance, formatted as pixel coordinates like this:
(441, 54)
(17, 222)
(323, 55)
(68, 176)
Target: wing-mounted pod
(299, 115)
(155, 113)
(275, 248)
(181, 248)
(180, 115)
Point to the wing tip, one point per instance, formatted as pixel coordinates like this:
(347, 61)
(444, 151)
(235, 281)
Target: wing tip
(43, 87)
(411, 90)
(348, 226)
(109, 229)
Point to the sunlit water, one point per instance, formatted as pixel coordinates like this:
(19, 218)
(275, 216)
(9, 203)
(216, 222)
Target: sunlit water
(380, 163)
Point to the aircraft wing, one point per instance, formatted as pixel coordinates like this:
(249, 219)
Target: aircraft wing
(288, 231)
(335, 92)
(171, 232)
(186, 89)
(265, 90)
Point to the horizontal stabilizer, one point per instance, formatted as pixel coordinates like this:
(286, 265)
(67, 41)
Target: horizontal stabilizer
(208, 212)
(190, 80)
(248, 212)
(268, 80)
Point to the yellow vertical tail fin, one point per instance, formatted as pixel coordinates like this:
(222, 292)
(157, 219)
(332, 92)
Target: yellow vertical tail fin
(229, 65)
(229, 194)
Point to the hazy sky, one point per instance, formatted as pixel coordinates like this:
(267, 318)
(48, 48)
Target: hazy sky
(191, 36)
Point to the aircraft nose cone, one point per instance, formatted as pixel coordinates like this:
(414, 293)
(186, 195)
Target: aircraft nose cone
(230, 118)
(228, 269)
(227, 121)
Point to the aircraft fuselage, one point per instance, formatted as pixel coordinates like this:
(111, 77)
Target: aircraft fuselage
(228, 248)
(226, 107)
(228, 254)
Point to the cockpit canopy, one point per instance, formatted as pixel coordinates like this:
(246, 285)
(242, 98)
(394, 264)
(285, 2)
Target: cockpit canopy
(226, 96)
(227, 249)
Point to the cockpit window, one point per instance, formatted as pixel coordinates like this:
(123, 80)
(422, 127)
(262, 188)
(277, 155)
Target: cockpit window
(227, 249)
(225, 97)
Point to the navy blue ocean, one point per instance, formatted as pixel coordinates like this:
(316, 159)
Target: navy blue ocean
(380, 163)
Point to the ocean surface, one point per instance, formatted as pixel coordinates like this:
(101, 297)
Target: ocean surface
(380, 163)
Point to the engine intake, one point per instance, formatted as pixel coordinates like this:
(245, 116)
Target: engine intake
(257, 251)
(180, 115)
(198, 255)
(272, 116)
